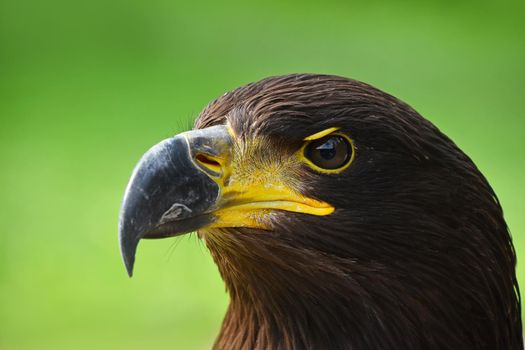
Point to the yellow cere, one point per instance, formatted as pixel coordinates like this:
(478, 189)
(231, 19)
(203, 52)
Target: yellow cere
(254, 181)
(210, 162)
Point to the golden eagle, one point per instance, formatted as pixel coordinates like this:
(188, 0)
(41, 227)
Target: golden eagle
(339, 218)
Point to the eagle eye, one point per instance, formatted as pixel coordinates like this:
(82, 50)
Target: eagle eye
(331, 153)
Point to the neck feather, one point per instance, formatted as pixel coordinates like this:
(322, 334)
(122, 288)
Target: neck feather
(285, 296)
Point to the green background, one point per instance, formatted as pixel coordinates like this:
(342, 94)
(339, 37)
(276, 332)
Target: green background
(87, 87)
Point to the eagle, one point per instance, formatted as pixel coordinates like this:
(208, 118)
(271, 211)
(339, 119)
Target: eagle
(338, 218)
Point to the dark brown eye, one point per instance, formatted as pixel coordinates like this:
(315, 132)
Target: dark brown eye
(330, 152)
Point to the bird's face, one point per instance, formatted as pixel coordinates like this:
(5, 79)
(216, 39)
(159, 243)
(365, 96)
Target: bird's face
(214, 178)
(326, 165)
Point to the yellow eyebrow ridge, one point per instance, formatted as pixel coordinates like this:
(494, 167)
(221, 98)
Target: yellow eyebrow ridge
(320, 134)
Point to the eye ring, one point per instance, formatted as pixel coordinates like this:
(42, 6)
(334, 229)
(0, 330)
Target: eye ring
(332, 153)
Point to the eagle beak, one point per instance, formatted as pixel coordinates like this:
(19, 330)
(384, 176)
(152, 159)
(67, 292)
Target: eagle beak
(169, 193)
(188, 182)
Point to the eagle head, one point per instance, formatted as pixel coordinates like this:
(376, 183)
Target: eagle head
(339, 218)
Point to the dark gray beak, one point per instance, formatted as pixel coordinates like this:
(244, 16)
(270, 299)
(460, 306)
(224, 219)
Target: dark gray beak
(170, 193)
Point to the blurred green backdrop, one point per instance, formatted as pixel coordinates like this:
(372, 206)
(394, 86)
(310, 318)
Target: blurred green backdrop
(87, 87)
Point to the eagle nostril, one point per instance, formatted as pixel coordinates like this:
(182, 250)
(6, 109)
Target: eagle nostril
(209, 162)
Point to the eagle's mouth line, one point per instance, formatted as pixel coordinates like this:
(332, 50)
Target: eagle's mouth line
(172, 228)
(310, 206)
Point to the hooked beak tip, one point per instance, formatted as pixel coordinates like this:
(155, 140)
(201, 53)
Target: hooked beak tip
(129, 266)
(128, 249)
